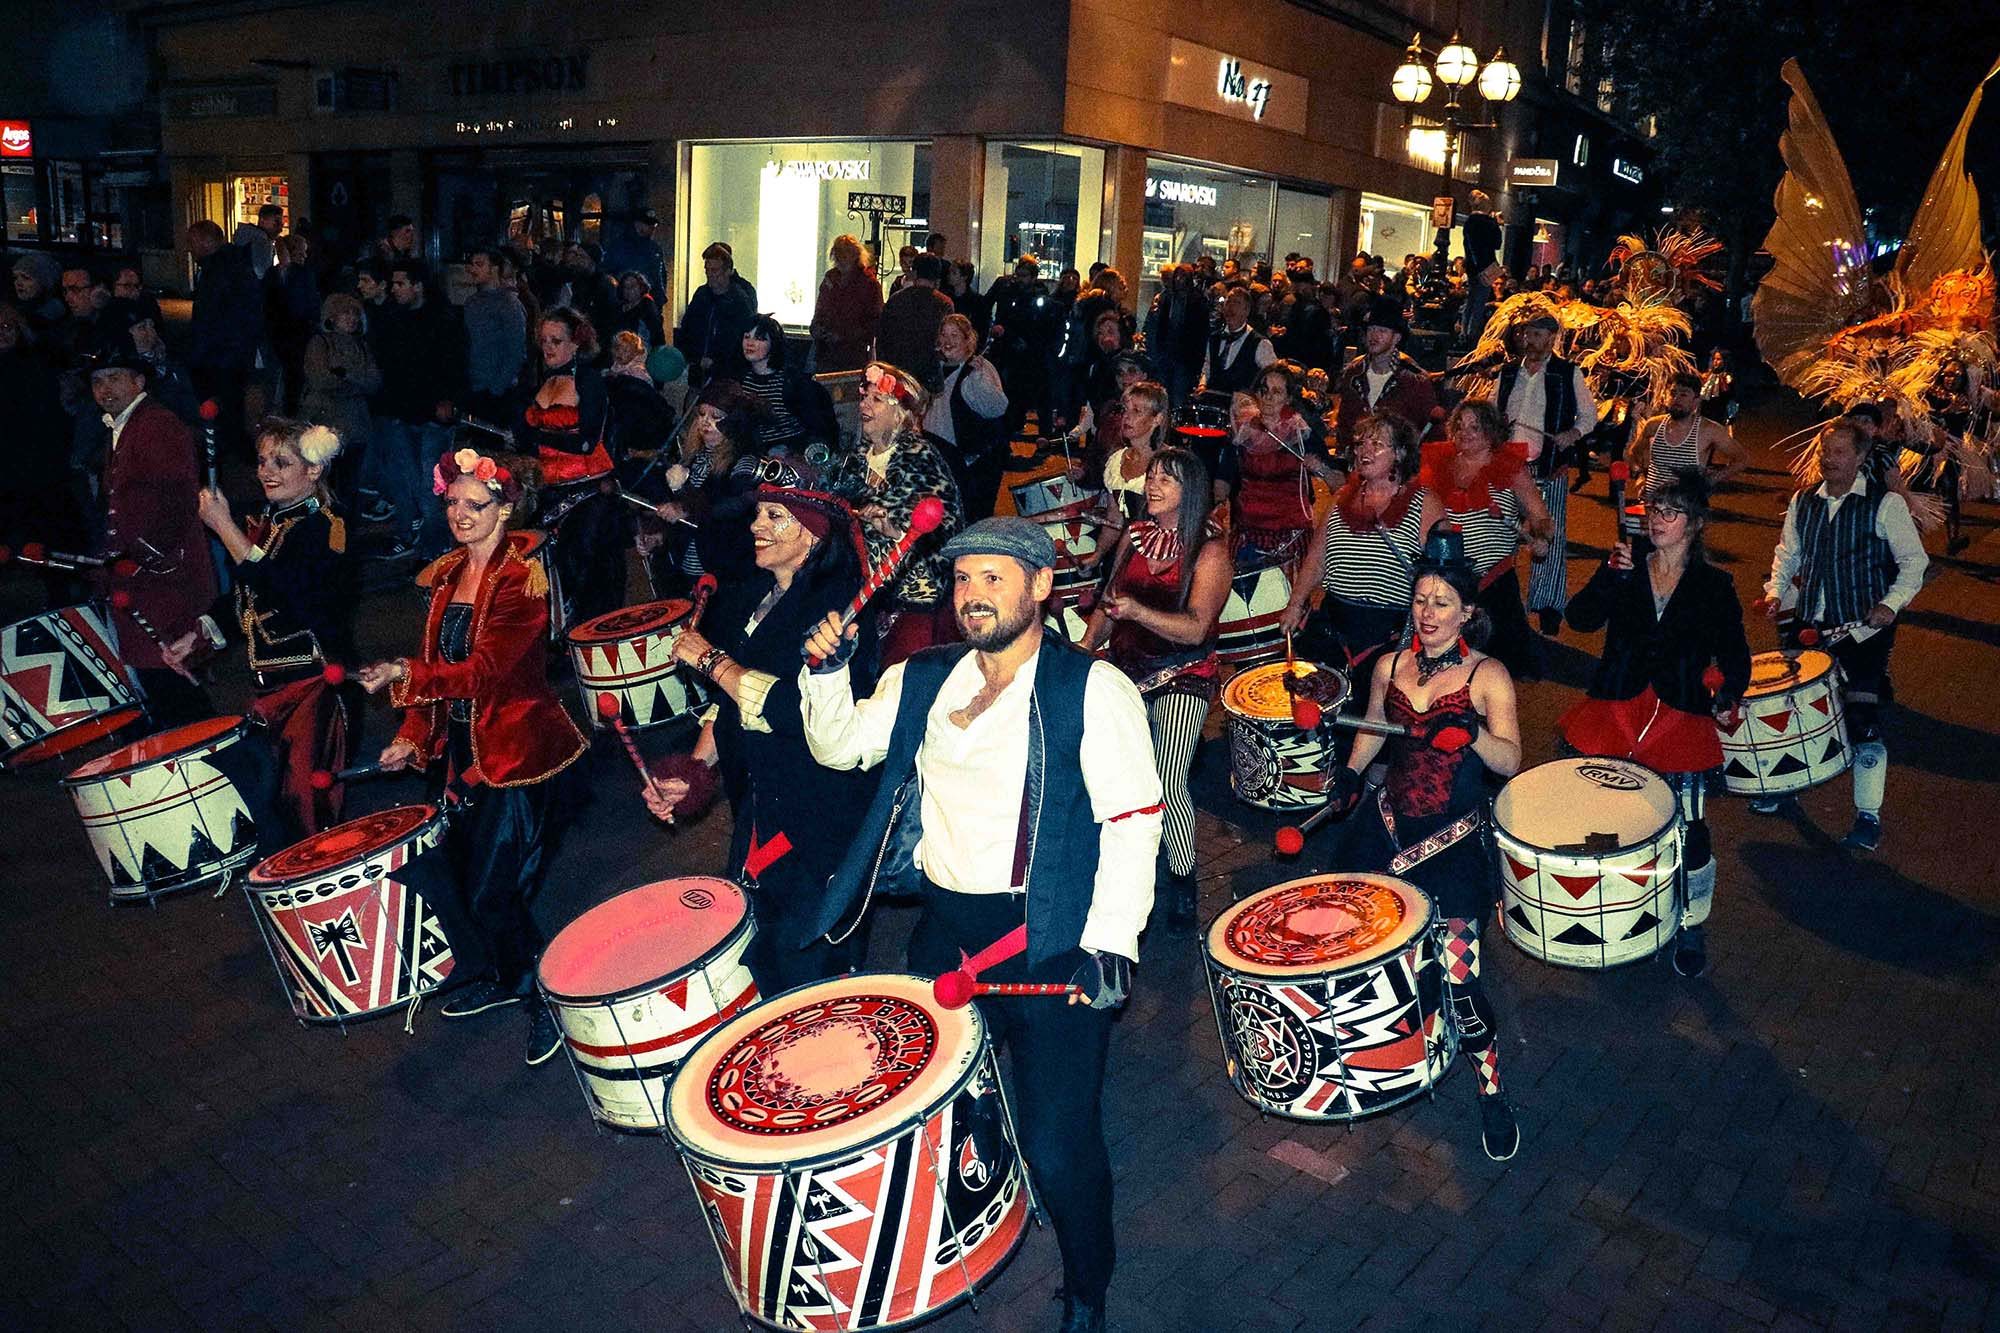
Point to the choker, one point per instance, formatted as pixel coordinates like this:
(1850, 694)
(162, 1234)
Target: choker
(1429, 668)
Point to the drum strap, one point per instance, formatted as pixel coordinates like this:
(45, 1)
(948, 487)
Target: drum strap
(1411, 857)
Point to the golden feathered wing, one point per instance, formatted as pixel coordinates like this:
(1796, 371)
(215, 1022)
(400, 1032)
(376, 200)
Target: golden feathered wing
(1819, 283)
(1944, 236)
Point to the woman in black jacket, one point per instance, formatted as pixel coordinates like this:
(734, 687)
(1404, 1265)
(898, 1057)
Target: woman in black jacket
(794, 409)
(1674, 656)
(791, 814)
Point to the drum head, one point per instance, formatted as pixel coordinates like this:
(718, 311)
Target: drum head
(1203, 421)
(1775, 673)
(631, 621)
(342, 844)
(161, 746)
(1324, 923)
(642, 937)
(1259, 691)
(822, 1070)
(1565, 803)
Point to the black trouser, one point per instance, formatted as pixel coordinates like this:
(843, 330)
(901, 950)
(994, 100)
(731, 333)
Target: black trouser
(1058, 1052)
(499, 845)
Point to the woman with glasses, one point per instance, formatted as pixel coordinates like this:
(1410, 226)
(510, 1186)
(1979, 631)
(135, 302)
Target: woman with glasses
(1669, 618)
(893, 466)
(1276, 457)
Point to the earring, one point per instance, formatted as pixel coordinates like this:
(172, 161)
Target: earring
(1463, 646)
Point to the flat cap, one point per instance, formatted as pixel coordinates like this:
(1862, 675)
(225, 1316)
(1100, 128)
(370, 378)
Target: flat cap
(1026, 541)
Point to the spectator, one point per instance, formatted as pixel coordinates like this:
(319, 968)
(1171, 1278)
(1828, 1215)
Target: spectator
(227, 329)
(1481, 242)
(36, 501)
(421, 350)
(1236, 352)
(710, 335)
(1020, 314)
(794, 409)
(496, 338)
(84, 295)
(292, 308)
(38, 294)
(1177, 331)
(260, 239)
(961, 285)
(849, 310)
(133, 327)
(637, 312)
(1309, 337)
(906, 267)
(127, 283)
(591, 294)
(638, 419)
(910, 320)
(341, 374)
(637, 252)
(399, 239)
(969, 415)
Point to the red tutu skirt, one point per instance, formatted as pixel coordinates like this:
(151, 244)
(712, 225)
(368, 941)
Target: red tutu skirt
(1642, 728)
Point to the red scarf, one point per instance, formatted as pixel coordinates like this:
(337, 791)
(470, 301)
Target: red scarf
(1498, 474)
(1354, 512)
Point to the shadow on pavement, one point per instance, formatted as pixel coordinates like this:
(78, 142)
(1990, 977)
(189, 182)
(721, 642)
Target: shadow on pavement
(1868, 908)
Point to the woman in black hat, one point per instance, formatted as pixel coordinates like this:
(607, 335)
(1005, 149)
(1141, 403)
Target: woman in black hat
(1427, 822)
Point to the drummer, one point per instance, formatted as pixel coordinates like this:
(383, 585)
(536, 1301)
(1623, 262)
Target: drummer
(1159, 616)
(1143, 427)
(293, 599)
(477, 705)
(1367, 548)
(810, 560)
(1648, 701)
(565, 424)
(1277, 456)
(1427, 822)
(1071, 857)
(1850, 565)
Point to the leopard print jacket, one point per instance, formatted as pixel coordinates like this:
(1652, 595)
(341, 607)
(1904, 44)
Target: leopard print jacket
(916, 469)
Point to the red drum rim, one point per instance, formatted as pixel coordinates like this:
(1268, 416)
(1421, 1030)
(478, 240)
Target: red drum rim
(1554, 793)
(159, 748)
(862, 1058)
(629, 622)
(341, 845)
(1773, 674)
(74, 736)
(1258, 692)
(1319, 925)
(642, 938)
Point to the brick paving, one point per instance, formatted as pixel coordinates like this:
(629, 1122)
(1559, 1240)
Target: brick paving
(1806, 1138)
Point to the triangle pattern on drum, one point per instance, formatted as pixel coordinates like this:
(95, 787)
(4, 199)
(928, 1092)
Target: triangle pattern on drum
(1738, 769)
(1645, 925)
(1777, 721)
(1522, 874)
(1822, 702)
(1640, 875)
(1834, 749)
(1578, 934)
(1520, 918)
(1577, 885)
(1787, 763)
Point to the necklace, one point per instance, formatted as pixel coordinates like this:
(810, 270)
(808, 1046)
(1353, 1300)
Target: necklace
(1429, 668)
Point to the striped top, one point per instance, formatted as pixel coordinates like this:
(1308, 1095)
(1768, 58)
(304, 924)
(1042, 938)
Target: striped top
(1489, 538)
(776, 425)
(1360, 565)
(1667, 456)
(1487, 510)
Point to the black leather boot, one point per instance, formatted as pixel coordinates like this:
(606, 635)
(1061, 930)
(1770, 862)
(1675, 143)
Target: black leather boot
(1180, 902)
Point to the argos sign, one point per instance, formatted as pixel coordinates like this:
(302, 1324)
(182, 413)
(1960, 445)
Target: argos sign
(16, 139)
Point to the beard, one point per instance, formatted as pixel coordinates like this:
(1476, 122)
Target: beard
(1008, 624)
(1678, 413)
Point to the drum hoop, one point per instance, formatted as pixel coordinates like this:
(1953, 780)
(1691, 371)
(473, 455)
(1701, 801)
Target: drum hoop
(1794, 678)
(1426, 924)
(252, 884)
(1230, 708)
(912, 1123)
(638, 632)
(116, 719)
(983, 1051)
(738, 933)
(1673, 817)
(226, 737)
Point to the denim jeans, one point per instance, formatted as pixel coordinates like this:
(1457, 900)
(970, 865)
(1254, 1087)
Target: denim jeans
(404, 453)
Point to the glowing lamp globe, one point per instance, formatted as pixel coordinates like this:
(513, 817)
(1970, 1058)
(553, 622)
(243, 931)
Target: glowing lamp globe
(1411, 82)
(1500, 81)
(1457, 64)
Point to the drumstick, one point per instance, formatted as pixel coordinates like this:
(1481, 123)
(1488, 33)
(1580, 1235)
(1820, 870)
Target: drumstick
(928, 514)
(639, 502)
(704, 588)
(34, 553)
(1307, 715)
(210, 410)
(1291, 839)
(607, 708)
(955, 990)
(1620, 472)
(321, 780)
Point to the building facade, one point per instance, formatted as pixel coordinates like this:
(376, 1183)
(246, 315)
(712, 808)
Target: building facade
(1133, 131)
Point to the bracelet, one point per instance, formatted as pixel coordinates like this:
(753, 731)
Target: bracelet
(710, 661)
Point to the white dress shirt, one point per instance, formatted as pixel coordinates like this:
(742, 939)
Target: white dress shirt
(117, 423)
(1233, 344)
(1527, 407)
(972, 778)
(983, 394)
(1893, 525)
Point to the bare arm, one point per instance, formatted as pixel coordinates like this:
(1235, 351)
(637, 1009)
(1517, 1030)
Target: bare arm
(1498, 744)
(1726, 457)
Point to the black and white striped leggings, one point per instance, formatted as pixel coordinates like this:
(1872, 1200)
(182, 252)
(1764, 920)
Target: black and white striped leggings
(1177, 719)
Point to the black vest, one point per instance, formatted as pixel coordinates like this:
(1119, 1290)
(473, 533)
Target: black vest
(978, 439)
(1242, 373)
(1559, 406)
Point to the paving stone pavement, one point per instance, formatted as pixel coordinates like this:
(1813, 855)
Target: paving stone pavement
(1805, 1138)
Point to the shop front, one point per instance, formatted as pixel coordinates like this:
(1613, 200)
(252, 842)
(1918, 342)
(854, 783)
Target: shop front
(61, 188)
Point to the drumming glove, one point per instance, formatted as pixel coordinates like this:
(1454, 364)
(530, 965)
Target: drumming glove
(1345, 793)
(1104, 978)
(1449, 735)
(699, 777)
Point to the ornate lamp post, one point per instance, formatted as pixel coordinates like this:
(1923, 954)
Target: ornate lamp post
(1457, 68)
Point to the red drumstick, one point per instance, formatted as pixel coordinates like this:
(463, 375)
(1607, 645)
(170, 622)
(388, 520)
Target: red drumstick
(607, 708)
(121, 600)
(210, 410)
(955, 990)
(924, 518)
(704, 588)
(1809, 637)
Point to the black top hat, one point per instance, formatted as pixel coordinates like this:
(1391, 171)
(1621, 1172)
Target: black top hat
(1385, 312)
(1444, 551)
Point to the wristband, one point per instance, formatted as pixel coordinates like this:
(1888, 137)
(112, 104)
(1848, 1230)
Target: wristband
(710, 661)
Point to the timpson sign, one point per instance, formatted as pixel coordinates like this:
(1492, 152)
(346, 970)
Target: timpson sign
(1223, 82)
(520, 76)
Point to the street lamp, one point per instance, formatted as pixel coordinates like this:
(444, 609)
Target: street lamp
(1457, 68)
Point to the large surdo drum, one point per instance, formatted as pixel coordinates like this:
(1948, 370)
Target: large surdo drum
(1791, 731)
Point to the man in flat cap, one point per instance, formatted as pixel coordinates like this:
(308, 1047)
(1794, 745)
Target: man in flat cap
(1545, 401)
(1036, 809)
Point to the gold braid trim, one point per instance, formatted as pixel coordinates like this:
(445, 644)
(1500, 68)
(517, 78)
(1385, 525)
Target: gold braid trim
(538, 577)
(336, 533)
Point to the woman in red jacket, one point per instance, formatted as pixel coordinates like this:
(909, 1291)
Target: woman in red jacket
(477, 700)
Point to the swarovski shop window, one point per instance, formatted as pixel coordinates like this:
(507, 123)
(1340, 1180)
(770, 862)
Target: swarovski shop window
(779, 206)
(1193, 210)
(1044, 199)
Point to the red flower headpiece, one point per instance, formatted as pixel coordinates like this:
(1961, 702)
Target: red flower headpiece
(455, 463)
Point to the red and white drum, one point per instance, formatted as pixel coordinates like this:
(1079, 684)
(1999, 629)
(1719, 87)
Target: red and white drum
(1250, 629)
(1329, 996)
(852, 1153)
(1076, 544)
(629, 653)
(1273, 764)
(1052, 499)
(1791, 732)
(161, 813)
(636, 981)
(62, 685)
(347, 914)
(1590, 861)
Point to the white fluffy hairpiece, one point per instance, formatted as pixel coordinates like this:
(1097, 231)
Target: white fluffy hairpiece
(318, 445)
